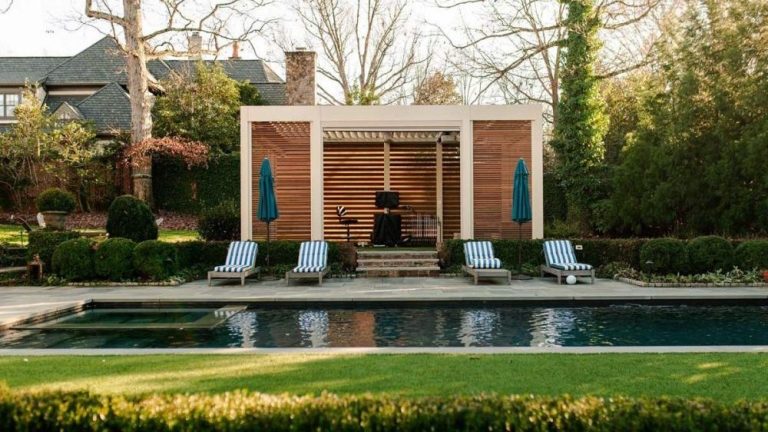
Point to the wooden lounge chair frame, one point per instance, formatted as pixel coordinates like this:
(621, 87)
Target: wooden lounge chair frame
(242, 275)
(559, 273)
(484, 273)
(306, 259)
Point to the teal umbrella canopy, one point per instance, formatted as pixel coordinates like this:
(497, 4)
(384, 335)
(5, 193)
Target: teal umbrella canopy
(521, 197)
(267, 199)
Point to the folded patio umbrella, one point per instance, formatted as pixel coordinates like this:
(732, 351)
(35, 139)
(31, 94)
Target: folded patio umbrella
(521, 209)
(267, 200)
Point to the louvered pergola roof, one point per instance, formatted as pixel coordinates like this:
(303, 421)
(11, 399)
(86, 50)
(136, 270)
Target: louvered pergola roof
(335, 135)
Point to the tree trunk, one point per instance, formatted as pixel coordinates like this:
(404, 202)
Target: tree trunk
(141, 98)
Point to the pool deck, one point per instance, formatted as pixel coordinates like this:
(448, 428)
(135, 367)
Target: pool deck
(20, 303)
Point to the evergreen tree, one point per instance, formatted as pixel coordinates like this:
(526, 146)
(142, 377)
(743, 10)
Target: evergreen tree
(581, 125)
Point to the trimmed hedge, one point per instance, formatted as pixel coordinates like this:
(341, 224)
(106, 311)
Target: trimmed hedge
(155, 260)
(73, 260)
(177, 188)
(129, 217)
(244, 411)
(44, 242)
(752, 254)
(55, 199)
(664, 256)
(113, 259)
(220, 222)
(709, 253)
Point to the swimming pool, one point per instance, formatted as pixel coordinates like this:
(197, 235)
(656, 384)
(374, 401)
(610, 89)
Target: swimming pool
(396, 325)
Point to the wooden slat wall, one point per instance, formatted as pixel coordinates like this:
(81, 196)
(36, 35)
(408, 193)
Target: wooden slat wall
(412, 173)
(352, 173)
(287, 146)
(451, 192)
(497, 147)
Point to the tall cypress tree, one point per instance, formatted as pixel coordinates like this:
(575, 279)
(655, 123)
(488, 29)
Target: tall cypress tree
(581, 122)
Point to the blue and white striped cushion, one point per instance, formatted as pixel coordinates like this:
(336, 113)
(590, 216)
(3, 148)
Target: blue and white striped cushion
(559, 254)
(241, 256)
(477, 250)
(486, 263)
(313, 257)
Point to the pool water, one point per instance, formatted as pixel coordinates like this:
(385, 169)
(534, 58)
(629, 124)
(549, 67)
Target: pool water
(402, 326)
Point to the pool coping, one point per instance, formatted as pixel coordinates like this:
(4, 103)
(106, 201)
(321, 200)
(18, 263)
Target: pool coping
(695, 349)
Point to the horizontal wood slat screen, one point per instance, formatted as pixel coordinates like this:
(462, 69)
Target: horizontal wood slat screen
(352, 174)
(412, 173)
(451, 191)
(497, 147)
(287, 146)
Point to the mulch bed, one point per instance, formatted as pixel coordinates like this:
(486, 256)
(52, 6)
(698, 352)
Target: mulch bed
(98, 220)
(689, 285)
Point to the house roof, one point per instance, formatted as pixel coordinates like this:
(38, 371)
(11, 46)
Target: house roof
(109, 108)
(53, 102)
(19, 70)
(100, 63)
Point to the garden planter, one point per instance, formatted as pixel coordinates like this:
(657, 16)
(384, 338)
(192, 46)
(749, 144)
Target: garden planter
(55, 219)
(765, 275)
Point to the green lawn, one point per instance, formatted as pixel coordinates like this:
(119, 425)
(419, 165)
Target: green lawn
(10, 234)
(726, 377)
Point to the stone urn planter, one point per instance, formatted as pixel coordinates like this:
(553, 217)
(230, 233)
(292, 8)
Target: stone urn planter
(55, 219)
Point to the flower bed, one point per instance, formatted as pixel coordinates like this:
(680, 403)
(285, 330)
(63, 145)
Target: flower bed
(733, 278)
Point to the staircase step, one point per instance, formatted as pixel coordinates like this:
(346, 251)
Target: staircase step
(397, 262)
(397, 255)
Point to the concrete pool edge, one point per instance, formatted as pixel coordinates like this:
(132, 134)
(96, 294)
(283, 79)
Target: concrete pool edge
(694, 349)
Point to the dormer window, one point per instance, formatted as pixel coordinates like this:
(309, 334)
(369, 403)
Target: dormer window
(8, 104)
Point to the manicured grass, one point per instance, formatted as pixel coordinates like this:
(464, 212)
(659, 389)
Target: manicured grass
(726, 377)
(10, 234)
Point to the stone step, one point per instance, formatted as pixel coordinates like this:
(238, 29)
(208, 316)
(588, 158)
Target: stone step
(396, 254)
(432, 271)
(397, 262)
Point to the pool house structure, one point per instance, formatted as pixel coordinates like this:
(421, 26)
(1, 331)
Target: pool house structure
(450, 166)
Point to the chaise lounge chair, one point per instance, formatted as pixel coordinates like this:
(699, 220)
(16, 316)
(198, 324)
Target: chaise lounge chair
(561, 261)
(313, 262)
(240, 263)
(480, 262)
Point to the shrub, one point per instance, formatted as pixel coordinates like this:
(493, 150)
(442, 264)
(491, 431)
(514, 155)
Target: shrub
(242, 410)
(155, 260)
(181, 189)
(220, 222)
(55, 199)
(611, 269)
(664, 255)
(201, 254)
(113, 259)
(709, 253)
(73, 260)
(128, 217)
(752, 254)
(44, 242)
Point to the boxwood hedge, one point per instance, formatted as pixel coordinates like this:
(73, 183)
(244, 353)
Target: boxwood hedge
(244, 411)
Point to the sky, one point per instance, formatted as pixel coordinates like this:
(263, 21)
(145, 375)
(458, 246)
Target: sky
(50, 28)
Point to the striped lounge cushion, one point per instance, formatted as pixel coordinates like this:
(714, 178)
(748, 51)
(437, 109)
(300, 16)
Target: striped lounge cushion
(479, 254)
(313, 257)
(486, 263)
(559, 254)
(241, 256)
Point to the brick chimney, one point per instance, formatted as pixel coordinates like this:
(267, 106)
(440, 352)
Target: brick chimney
(300, 71)
(195, 45)
(235, 51)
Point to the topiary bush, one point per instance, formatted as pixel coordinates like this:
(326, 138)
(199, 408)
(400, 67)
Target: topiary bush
(44, 242)
(752, 254)
(664, 256)
(709, 253)
(55, 199)
(155, 260)
(113, 259)
(220, 222)
(73, 260)
(128, 217)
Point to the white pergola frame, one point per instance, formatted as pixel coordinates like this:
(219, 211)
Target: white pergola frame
(391, 117)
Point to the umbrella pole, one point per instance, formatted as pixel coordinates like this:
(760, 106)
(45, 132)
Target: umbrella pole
(520, 275)
(267, 260)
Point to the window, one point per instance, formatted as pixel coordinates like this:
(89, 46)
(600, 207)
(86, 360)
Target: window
(8, 103)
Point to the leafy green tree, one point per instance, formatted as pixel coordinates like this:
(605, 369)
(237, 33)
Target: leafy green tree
(581, 126)
(74, 158)
(201, 105)
(696, 163)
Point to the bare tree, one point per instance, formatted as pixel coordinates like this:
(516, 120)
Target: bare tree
(516, 52)
(222, 22)
(436, 89)
(367, 54)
